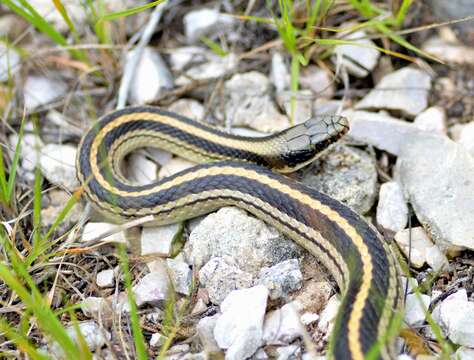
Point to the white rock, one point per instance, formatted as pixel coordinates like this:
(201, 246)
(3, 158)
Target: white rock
(188, 107)
(239, 330)
(199, 308)
(466, 137)
(155, 317)
(436, 174)
(288, 352)
(392, 209)
(323, 106)
(159, 239)
(412, 284)
(151, 289)
(58, 165)
(404, 357)
(105, 278)
(318, 80)
(9, 62)
(159, 156)
(381, 130)
(94, 336)
(140, 170)
(282, 326)
(309, 356)
(205, 331)
(96, 307)
(183, 57)
(328, 315)
(203, 22)
(309, 318)
(181, 276)
(157, 340)
(419, 243)
(214, 67)
(41, 91)
(453, 53)
(93, 230)
(416, 306)
(260, 355)
(220, 278)
(151, 76)
(174, 166)
(464, 353)
(455, 316)
(248, 241)
(436, 259)
(433, 120)
(249, 103)
(404, 90)
(360, 58)
(281, 278)
(279, 74)
(298, 106)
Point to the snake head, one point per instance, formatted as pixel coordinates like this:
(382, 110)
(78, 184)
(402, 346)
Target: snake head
(305, 142)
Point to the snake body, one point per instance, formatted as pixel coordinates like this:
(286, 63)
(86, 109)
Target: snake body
(238, 171)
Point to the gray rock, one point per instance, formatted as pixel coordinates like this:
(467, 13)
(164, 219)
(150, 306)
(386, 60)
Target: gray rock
(282, 278)
(157, 340)
(174, 166)
(205, 331)
(412, 284)
(9, 62)
(205, 22)
(94, 336)
(359, 59)
(420, 243)
(318, 80)
(105, 278)
(96, 307)
(416, 306)
(151, 77)
(455, 316)
(141, 170)
(392, 210)
(449, 52)
(248, 241)
(181, 276)
(309, 318)
(433, 120)
(283, 326)
(188, 107)
(58, 165)
(248, 103)
(466, 137)
(405, 90)
(436, 175)
(380, 130)
(206, 65)
(159, 239)
(328, 315)
(50, 213)
(279, 74)
(183, 57)
(455, 10)
(298, 105)
(29, 152)
(346, 174)
(221, 278)
(290, 352)
(40, 91)
(239, 330)
(152, 289)
(464, 353)
(94, 230)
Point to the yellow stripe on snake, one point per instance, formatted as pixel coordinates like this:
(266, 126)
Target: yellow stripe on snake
(244, 172)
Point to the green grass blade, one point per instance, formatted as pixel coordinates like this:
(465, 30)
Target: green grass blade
(215, 47)
(138, 338)
(62, 10)
(3, 181)
(131, 11)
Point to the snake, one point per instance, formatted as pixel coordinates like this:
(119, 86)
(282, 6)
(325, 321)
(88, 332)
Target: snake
(249, 173)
